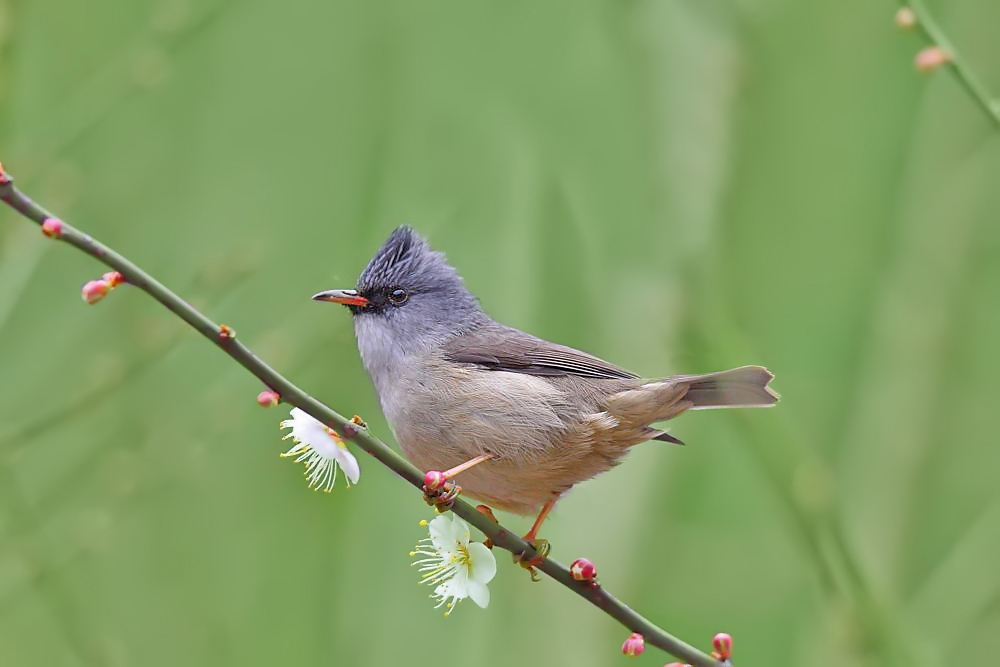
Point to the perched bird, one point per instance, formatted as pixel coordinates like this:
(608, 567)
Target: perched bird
(522, 419)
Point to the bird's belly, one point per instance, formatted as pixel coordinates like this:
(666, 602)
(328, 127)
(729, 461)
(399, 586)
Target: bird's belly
(543, 443)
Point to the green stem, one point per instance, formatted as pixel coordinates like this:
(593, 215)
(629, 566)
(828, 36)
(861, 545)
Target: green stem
(291, 394)
(966, 76)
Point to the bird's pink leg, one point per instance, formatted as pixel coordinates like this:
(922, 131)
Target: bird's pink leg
(542, 547)
(438, 487)
(546, 508)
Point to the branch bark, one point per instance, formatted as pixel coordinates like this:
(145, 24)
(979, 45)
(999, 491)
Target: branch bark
(293, 395)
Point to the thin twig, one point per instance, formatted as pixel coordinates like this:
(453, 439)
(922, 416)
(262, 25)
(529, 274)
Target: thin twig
(291, 394)
(966, 76)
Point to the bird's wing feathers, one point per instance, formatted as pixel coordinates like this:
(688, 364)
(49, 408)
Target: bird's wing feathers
(502, 348)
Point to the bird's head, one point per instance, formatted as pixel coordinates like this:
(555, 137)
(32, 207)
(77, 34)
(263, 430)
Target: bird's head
(408, 295)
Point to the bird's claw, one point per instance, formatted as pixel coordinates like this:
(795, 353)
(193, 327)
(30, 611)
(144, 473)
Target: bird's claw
(542, 549)
(442, 498)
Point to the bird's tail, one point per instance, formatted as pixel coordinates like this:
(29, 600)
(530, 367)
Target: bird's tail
(664, 399)
(744, 387)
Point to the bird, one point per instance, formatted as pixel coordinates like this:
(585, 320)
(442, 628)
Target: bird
(517, 419)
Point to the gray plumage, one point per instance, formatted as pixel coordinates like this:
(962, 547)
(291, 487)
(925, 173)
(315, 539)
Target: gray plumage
(455, 384)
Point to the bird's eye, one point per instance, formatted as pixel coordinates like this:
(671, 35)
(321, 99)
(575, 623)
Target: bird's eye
(398, 297)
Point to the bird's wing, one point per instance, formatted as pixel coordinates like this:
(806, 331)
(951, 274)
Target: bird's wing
(500, 348)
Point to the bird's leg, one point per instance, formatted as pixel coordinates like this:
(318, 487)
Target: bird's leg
(546, 508)
(542, 547)
(485, 509)
(439, 490)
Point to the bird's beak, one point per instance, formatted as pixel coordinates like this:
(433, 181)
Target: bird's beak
(347, 297)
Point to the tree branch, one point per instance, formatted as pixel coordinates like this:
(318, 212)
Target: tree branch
(966, 76)
(221, 336)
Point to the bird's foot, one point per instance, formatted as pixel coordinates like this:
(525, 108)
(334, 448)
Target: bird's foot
(440, 491)
(441, 496)
(542, 549)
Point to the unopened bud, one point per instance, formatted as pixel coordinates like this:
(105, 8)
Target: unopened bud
(434, 480)
(268, 399)
(95, 290)
(52, 227)
(634, 645)
(723, 645)
(4, 177)
(905, 18)
(226, 331)
(676, 664)
(930, 59)
(114, 278)
(583, 570)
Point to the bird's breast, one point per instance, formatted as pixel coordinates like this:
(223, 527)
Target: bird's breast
(442, 410)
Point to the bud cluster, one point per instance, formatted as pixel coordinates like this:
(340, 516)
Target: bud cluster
(95, 290)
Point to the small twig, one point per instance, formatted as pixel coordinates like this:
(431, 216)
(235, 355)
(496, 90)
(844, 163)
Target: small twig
(966, 76)
(224, 337)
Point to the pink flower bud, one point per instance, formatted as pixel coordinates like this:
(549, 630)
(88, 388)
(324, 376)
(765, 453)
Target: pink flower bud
(95, 290)
(676, 664)
(4, 177)
(905, 18)
(268, 399)
(52, 227)
(434, 480)
(930, 59)
(114, 278)
(723, 645)
(583, 570)
(634, 645)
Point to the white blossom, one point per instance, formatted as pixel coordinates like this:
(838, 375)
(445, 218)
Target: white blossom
(322, 451)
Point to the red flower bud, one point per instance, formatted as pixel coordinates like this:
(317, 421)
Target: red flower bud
(4, 177)
(113, 278)
(723, 645)
(95, 290)
(930, 59)
(268, 399)
(583, 570)
(634, 645)
(52, 227)
(434, 480)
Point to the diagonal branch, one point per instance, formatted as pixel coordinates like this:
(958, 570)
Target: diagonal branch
(966, 76)
(221, 336)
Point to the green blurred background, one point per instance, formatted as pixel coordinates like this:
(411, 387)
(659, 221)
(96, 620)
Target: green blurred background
(677, 186)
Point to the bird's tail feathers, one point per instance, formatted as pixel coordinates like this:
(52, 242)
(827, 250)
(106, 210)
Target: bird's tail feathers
(744, 387)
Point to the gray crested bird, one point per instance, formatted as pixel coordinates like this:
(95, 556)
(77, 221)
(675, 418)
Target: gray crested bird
(522, 419)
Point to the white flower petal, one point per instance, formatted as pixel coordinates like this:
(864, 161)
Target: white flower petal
(484, 564)
(311, 431)
(320, 451)
(348, 464)
(444, 533)
(456, 567)
(479, 593)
